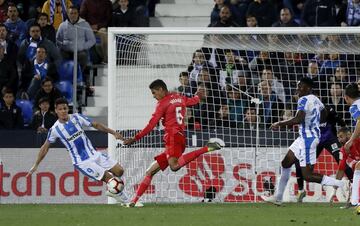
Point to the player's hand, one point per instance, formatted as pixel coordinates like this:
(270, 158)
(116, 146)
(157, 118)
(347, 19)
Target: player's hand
(347, 146)
(200, 92)
(129, 141)
(275, 126)
(32, 170)
(118, 136)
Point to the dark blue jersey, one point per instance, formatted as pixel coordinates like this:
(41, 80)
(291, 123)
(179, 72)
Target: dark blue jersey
(328, 128)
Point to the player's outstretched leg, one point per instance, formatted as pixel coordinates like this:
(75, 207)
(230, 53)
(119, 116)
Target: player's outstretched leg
(145, 183)
(212, 145)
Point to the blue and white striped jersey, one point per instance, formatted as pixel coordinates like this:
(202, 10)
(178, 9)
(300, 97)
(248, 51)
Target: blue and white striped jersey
(312, 107)
(355, 110)
(73, 136)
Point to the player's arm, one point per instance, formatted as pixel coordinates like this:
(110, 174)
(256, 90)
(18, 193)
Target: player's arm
(101, 127)
(155, 118)
(41, 155)
(196, 99)
(297, 119)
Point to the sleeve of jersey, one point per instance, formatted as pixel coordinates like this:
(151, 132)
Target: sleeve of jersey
(355, 112)
(84, 120)
(301, 104)
(342, 157)
(51, 137)
(152, 123)
(191, 101)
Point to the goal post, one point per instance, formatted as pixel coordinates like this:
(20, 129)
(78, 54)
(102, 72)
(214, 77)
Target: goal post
(250, 77)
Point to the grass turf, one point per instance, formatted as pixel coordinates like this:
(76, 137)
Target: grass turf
(177, 214)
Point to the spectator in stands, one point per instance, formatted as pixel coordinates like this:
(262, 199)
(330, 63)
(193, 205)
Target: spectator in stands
(184, 87)
(65, 37)
(319, 13)
(36, 71)
(271, 106)
(230, 70)
(8, 75)
(225, 19)
(47, 31)
(341, 76)
(286, 19)
(330, 64)
(49, 91)
(15, 26)
(98, 14)
(251, 21)
(223, 117)
(352, 13)
(35, 7)
(11, 49)
(57, 11)
(123, 16)
(198, 62)
(276, 86)
(43, 119)
(258, 64)
(215, 13)
(291, 68)
(27, 50)
(10, 114)
(296, 7)
(204, 112)
(337, 102)
(3, 10)
(236, 105)
(320, 85)
(241, 8)
(264, 12)
(250, 118)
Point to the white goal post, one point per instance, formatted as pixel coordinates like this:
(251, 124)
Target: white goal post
(234, 65)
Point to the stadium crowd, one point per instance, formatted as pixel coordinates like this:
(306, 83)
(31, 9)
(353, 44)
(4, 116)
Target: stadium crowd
(37, 45)
(37, 42)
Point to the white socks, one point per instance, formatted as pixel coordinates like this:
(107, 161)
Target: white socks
(329, 181)
(285, 175)
(355, 188)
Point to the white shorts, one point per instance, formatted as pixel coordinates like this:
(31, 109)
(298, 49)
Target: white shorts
(96, 165)
(305, 150)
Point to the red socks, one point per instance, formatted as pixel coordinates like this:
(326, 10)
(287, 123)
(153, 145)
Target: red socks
(188, 157)
(142, 188)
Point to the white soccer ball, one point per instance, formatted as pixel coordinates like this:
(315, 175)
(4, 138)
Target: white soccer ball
(115, 185)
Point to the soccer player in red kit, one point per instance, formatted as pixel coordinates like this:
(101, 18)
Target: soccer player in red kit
(171, 108)
(352, 159)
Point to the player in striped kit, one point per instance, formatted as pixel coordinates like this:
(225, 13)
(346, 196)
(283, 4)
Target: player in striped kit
(69, 129)
(309, 112)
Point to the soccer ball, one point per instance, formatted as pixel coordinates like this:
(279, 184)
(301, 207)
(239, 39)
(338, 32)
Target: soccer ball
(115, 185)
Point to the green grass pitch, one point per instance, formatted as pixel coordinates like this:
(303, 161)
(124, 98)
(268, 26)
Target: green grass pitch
(177, 214)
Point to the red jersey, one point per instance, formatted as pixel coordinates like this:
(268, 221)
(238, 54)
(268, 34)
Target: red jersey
(171, 110)
(351, 158)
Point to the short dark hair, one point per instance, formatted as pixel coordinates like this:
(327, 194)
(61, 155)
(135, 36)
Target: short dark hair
(46, 79)
(307, 81)
(35, 25)
(343, 130)
(74, 7)
(184, 73)
(7, 91)
(61, 100)
(42, 14)
(158, 83)
(352, 90)
(43, 99)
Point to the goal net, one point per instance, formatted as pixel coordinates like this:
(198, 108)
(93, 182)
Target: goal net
(250, 78)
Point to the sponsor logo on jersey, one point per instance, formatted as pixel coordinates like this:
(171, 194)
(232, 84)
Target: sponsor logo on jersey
(75, 135)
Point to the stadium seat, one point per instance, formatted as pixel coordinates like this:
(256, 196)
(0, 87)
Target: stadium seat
(66, 72)
(66, 88)
(27, 110)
